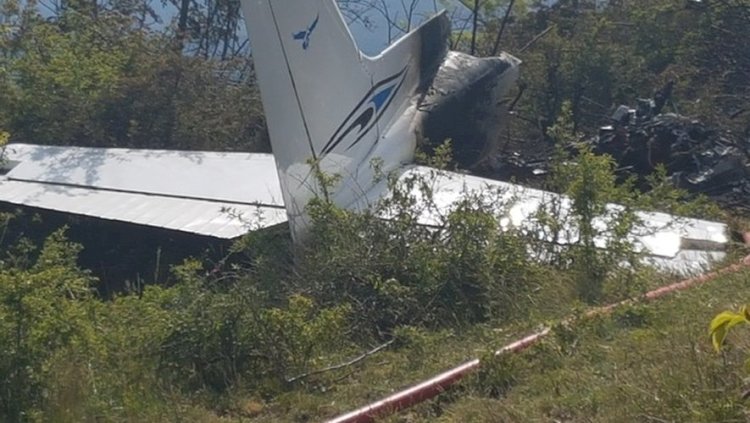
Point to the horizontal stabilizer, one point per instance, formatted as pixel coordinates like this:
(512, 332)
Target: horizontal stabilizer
(187, 191)
(671, 243)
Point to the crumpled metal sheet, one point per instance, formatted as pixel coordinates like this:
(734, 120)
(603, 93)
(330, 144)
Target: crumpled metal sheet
(700, 159)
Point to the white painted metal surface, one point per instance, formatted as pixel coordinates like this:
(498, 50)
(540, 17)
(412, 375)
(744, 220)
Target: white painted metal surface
(327, 102)
(676, 244)
(226, 194)
(221, 195)
(220, 176)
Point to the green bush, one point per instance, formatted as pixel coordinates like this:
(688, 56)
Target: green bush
(391, 271)
(226, 333)
(270, 317)
(44, 310)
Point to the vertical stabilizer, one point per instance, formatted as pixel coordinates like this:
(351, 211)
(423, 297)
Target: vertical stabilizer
(326, 102)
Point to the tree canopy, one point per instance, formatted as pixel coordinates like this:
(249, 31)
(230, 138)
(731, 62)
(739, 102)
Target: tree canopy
(128, 73)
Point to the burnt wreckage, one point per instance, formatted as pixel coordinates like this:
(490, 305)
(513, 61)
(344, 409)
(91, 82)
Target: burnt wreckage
(464, 104)
(699, 158)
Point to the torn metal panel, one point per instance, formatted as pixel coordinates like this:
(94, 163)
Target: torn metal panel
(700, 158)
(466, 104)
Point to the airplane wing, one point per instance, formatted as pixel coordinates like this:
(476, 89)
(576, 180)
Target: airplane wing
(221, 195)
(224, 195)
(671, 243)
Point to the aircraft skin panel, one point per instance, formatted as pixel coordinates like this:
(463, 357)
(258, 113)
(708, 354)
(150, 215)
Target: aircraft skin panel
(229, 177)
(310, 75)
(666, 241)
(687, 262)
(188, 191)
(392, 140)
(201, 217)
(327, 102)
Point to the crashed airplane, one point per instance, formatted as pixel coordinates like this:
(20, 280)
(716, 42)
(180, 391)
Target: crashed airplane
(328, 107)
(329, 104)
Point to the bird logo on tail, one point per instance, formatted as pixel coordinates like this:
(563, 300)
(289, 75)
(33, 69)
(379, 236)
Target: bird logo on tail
(304, 35)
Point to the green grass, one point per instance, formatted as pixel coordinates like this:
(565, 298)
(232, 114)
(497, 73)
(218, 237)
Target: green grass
(645, 363)
(649, 362)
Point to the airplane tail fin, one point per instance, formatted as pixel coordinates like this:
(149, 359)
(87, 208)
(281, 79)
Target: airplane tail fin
(326, 102)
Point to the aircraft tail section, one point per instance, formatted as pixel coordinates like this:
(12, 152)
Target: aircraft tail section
(325, 102)
(306, 61)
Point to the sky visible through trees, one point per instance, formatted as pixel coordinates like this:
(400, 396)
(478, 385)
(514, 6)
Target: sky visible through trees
(369, 19)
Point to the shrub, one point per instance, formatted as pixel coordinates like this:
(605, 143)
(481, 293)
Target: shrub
(226, 334)
(44, 310)
(391, 271)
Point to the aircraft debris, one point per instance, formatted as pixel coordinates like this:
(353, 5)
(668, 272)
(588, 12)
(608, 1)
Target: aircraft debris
(698, 157)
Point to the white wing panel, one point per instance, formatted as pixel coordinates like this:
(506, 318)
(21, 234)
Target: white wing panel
(208, 193)
(679, 244)
(209, 218)
(228, 177)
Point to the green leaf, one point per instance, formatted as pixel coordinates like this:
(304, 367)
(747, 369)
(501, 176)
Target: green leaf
(724, 321)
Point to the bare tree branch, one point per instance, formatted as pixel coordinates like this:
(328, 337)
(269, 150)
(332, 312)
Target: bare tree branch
(475, 18)
(502, 28)
(342, 365)
(536, 38)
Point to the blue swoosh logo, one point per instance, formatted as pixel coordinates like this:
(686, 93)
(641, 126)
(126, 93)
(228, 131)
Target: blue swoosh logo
(366, 113)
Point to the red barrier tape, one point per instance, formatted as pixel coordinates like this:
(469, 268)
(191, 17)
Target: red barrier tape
(436, 385)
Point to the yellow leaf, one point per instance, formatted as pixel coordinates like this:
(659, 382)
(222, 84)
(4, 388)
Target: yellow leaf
(724, 321)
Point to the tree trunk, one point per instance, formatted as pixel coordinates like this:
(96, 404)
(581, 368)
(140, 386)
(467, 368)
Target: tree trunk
(474, 28)
(182, 23)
